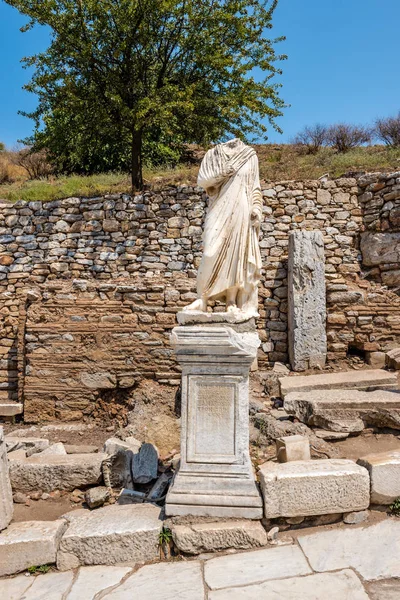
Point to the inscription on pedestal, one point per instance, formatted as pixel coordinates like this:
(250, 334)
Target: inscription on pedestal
(212, 420)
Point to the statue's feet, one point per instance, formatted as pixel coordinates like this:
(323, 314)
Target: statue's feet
(198, 305)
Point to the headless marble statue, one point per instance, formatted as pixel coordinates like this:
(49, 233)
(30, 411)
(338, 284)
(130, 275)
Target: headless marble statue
(231, 263)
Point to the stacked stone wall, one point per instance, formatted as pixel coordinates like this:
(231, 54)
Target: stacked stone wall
(86, 282)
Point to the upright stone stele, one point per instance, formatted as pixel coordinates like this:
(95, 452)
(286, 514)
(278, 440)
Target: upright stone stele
(216, 350)
(6, 498)
(307, 300)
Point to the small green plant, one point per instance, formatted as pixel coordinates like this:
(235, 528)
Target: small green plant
(165, 536)
(41, 569)
(395, 507)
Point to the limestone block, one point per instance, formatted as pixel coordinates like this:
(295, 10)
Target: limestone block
(307, 300)
(376, 359)
(113, 445)
(96, 496)
(355, 380)
(294, 447)
(110, 535)
(384, 471)
(393, 359)
(6, 499)
(380, 248)
(313, 487)
(10, 409)
(30, 543)
(56, 472)
(343, 584)
(54, 449)
(345, 411)
(211, 537)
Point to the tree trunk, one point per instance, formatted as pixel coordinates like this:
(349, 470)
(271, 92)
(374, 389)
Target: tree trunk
(136, 160)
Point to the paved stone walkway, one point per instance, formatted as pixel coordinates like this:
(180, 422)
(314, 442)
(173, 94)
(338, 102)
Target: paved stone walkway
(357, 563)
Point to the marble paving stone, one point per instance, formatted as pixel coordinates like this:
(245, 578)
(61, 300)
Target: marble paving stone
(13, 589)
(384, 590)
(163, 581)
(52, 586)
(254, 567)
(92, 580)
(344, 585)
(373, 551)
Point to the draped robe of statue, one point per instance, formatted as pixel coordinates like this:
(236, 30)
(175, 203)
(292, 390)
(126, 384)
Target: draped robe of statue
(231, 263)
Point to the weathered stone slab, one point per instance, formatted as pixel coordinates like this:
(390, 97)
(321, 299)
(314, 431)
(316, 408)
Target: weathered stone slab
(6, 499)
(92, 580)
(384, 471)
(211, 537)
(32, 445)
(306, 300)
(96, 496)
(52, 585)
(372, 551)
(110, 535)
(393, 359)
(113, 445)
(313, 487)
(53, 472)
(55, 449)
(169, 581)
(252, 567)
(336, 586)
(345, 411)
(355, 380)
(380, 248)
(30, 543)
(293, 447)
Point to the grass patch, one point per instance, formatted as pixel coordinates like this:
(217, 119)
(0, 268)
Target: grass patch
(277, 163)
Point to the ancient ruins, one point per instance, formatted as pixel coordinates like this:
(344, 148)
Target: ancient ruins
(166, 398)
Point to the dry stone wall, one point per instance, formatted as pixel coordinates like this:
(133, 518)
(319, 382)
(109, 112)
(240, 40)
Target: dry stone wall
(89, 288)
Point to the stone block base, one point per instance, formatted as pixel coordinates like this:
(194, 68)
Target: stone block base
(384, 470)
(214, 496)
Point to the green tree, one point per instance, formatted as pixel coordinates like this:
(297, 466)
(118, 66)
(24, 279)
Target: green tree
(2, 147)
(185, 68)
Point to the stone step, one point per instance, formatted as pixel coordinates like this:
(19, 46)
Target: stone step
(356, 380)
(110, 535)
(56, 472)
(313, 487)
(29, 544)
(345, 411)
(10, 409)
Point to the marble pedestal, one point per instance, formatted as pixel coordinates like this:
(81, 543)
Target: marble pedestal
(215, 476)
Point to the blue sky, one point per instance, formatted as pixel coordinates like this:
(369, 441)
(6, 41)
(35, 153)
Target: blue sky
(343, 64)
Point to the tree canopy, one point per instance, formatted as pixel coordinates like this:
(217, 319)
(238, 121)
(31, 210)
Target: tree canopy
(126, 72)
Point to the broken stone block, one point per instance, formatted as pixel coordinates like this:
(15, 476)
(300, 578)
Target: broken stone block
(16, 455)
(10, 409)
(211, 537)
(354, 518)
(6, 499)
(393, 359)
(346, 411)
(294, 447)
(110, 535)
(75, 449)
(306, 300)
(145, 464)
(113, 445)
(117, 469)
(95, 497)
(54, 449)
(384, 470)
(28, 544)
(56, 472)
(355, 380)
(160, 487)
(313, 487)
(30, 444)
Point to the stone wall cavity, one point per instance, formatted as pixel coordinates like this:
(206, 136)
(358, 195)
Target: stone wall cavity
(89, 287)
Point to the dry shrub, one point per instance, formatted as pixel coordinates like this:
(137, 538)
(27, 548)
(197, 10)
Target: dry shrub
(35, 163)
(388, 131)
(344, 137)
